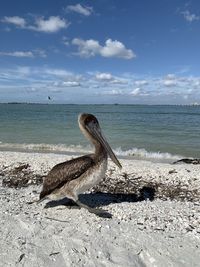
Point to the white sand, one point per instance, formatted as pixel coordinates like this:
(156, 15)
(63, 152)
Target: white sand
(145, 233)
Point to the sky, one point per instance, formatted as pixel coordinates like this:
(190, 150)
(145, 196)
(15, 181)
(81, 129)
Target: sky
(102, 51)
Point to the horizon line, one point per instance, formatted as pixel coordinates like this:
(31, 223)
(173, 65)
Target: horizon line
(114, 104)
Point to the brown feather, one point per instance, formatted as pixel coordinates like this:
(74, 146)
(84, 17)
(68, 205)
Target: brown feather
(64, 172)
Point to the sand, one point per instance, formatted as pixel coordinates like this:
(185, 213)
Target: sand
(161, 232)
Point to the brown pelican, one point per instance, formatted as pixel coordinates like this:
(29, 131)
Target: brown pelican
(73, 177)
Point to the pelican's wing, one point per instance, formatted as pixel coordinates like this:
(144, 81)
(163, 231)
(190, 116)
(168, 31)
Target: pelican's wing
(65, 172)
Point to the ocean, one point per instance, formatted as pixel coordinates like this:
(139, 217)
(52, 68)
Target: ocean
(133, 131)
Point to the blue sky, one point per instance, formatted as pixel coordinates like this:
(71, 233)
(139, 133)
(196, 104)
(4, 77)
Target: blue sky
(103, 51)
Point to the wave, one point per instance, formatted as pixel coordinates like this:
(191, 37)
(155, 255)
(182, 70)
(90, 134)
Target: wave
(45, 147)
(137, 153)
(143, 153)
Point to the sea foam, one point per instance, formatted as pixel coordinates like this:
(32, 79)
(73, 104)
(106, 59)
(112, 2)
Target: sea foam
(137, 153)
(143, 153)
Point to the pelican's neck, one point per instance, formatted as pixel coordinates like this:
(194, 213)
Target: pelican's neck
(99, 150)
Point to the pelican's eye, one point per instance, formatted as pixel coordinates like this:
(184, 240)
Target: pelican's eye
(91, 120)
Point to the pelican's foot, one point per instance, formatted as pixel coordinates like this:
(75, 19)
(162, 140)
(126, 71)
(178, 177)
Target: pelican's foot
(72, 206)
(98, 212)
(67, 203)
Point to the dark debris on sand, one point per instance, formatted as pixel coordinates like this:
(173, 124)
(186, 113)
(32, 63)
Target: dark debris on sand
(129, 184)
(20, 176)
(188, 161)
(126, 184)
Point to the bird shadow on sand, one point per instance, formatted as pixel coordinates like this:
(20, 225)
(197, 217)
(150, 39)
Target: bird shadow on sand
(100, 199)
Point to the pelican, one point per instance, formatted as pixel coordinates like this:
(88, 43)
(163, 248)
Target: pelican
(74, 177)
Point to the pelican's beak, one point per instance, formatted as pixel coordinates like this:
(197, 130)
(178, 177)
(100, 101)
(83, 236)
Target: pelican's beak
(96, 132)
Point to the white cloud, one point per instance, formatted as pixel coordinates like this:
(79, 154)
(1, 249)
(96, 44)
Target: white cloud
(135, 92)
(170, 76)
(109, 78)
(63, 84)
(40, 53)
(197, 83)
(50, 25)
(189, 16)
(31, 90)
(139, 92)
(113, 92)
(55, 90)
(84, 10)
(92, 47)
(87, 48)
(116, 49)
(169, 83)
(17, 21)
(28, 54)
(71, 84)
(170, 80)
(18, 54)
(104, 77)
(41, 75)
(60, 78)
(141, 82)
(61, 73)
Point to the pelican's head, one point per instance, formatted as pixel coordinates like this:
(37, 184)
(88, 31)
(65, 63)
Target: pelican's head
(89, 125)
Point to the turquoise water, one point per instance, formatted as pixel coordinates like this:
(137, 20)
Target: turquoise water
(132, 130)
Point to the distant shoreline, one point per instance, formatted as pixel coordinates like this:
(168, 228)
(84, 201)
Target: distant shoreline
(103, 104)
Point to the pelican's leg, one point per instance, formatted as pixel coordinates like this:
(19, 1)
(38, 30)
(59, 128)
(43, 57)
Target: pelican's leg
(72, 194)
(98, 212)
(71, 204)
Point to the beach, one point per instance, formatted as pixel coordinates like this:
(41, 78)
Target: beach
(155, 220)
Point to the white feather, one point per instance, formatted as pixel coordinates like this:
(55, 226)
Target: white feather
(92, 179)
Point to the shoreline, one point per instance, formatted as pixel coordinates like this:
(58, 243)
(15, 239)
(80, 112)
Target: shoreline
(140, 233)
(159, 157)
(97, 104)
